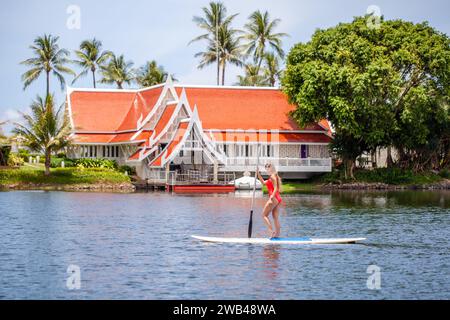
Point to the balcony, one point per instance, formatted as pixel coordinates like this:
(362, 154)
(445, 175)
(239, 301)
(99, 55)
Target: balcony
(282, 164)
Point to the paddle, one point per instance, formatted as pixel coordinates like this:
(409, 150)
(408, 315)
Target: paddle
(250, 223)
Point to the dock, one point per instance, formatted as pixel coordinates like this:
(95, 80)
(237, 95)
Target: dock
(191, 182)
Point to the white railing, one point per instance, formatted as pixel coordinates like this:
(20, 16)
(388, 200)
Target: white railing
(196, 177)
(158, 175)
(279, 162)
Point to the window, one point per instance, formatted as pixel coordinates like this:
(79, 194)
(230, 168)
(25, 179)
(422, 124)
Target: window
(92, 151)
(225, 149)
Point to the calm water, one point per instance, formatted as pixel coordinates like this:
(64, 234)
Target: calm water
(138, 246)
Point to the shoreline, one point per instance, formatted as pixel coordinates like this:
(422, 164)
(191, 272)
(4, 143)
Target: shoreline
(128, 187)
(84, 187)
(442, 185)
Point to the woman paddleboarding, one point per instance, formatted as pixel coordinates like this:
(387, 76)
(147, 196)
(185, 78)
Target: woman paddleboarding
(272, 205)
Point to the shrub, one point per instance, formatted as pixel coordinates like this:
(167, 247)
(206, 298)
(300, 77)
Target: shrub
(387, 175)
(56, 162)
(128, 169)
(15, 160)
(96, 163)
(4, 155)
(24, 154)
(444, 173)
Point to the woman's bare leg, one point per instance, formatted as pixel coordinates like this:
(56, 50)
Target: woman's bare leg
(267, 209)
(276, 221)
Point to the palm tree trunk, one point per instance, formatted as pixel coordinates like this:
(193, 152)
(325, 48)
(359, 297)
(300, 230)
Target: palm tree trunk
(389, 160)
(119, 85)
(47, 163)
(93, 77)
(259, 64)
(218, 71)
(48, 85)
(223, 73)
(349, 168)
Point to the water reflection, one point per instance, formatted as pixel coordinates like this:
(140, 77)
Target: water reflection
(374, 199)
(271, 255)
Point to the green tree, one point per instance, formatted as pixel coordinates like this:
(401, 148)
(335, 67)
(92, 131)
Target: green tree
(271, 71)
(252, 77)
(230, 49)
(91, 58)
(215, 18)
(260, 35)
(117, 71)
(48, 58)
(46, 129)
(151, 74)
(379, 87)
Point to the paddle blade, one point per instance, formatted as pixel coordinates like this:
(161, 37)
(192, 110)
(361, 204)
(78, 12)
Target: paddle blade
(250, 224)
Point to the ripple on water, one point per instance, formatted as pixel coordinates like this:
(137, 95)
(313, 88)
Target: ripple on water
(139, 246)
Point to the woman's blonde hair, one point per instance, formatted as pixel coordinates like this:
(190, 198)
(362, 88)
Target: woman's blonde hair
(274, 171)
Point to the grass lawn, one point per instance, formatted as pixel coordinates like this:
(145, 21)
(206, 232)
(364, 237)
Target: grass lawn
(34, 174)
(294, 186)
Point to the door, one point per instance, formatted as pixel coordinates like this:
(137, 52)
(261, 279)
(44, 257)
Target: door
(303, 151)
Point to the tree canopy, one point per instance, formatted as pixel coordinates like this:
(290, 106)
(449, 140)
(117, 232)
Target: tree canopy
(379, 87)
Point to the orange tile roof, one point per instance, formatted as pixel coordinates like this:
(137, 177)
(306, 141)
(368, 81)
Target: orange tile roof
(144, 135)
(99, 111)
(105, 138)
(135, 156)
(242, 108)
(141, 106)
(111, 111)
(99, 115)
(93, 138)
(164, 119)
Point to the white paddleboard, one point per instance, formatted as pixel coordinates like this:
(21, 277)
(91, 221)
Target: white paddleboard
(304, 240)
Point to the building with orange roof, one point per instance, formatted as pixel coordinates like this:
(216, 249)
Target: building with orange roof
(211, 130)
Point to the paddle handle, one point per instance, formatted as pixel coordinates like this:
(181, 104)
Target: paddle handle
(250, 222)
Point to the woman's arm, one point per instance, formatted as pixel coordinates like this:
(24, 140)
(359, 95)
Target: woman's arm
(259, 176)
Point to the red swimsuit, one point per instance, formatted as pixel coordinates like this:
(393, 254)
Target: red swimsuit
(270, 188)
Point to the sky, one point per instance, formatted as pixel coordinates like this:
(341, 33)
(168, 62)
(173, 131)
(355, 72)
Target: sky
(144, 30)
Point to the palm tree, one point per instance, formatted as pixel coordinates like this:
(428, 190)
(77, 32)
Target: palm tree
(46, 129)
(271, 70)
(48, 58)
(260, 35)
(117, 71)
(151, 74)
(230, 49)
(252, 77)
(91, 58)
(214, 18)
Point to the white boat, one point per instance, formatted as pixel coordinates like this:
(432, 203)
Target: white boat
(246, 183)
